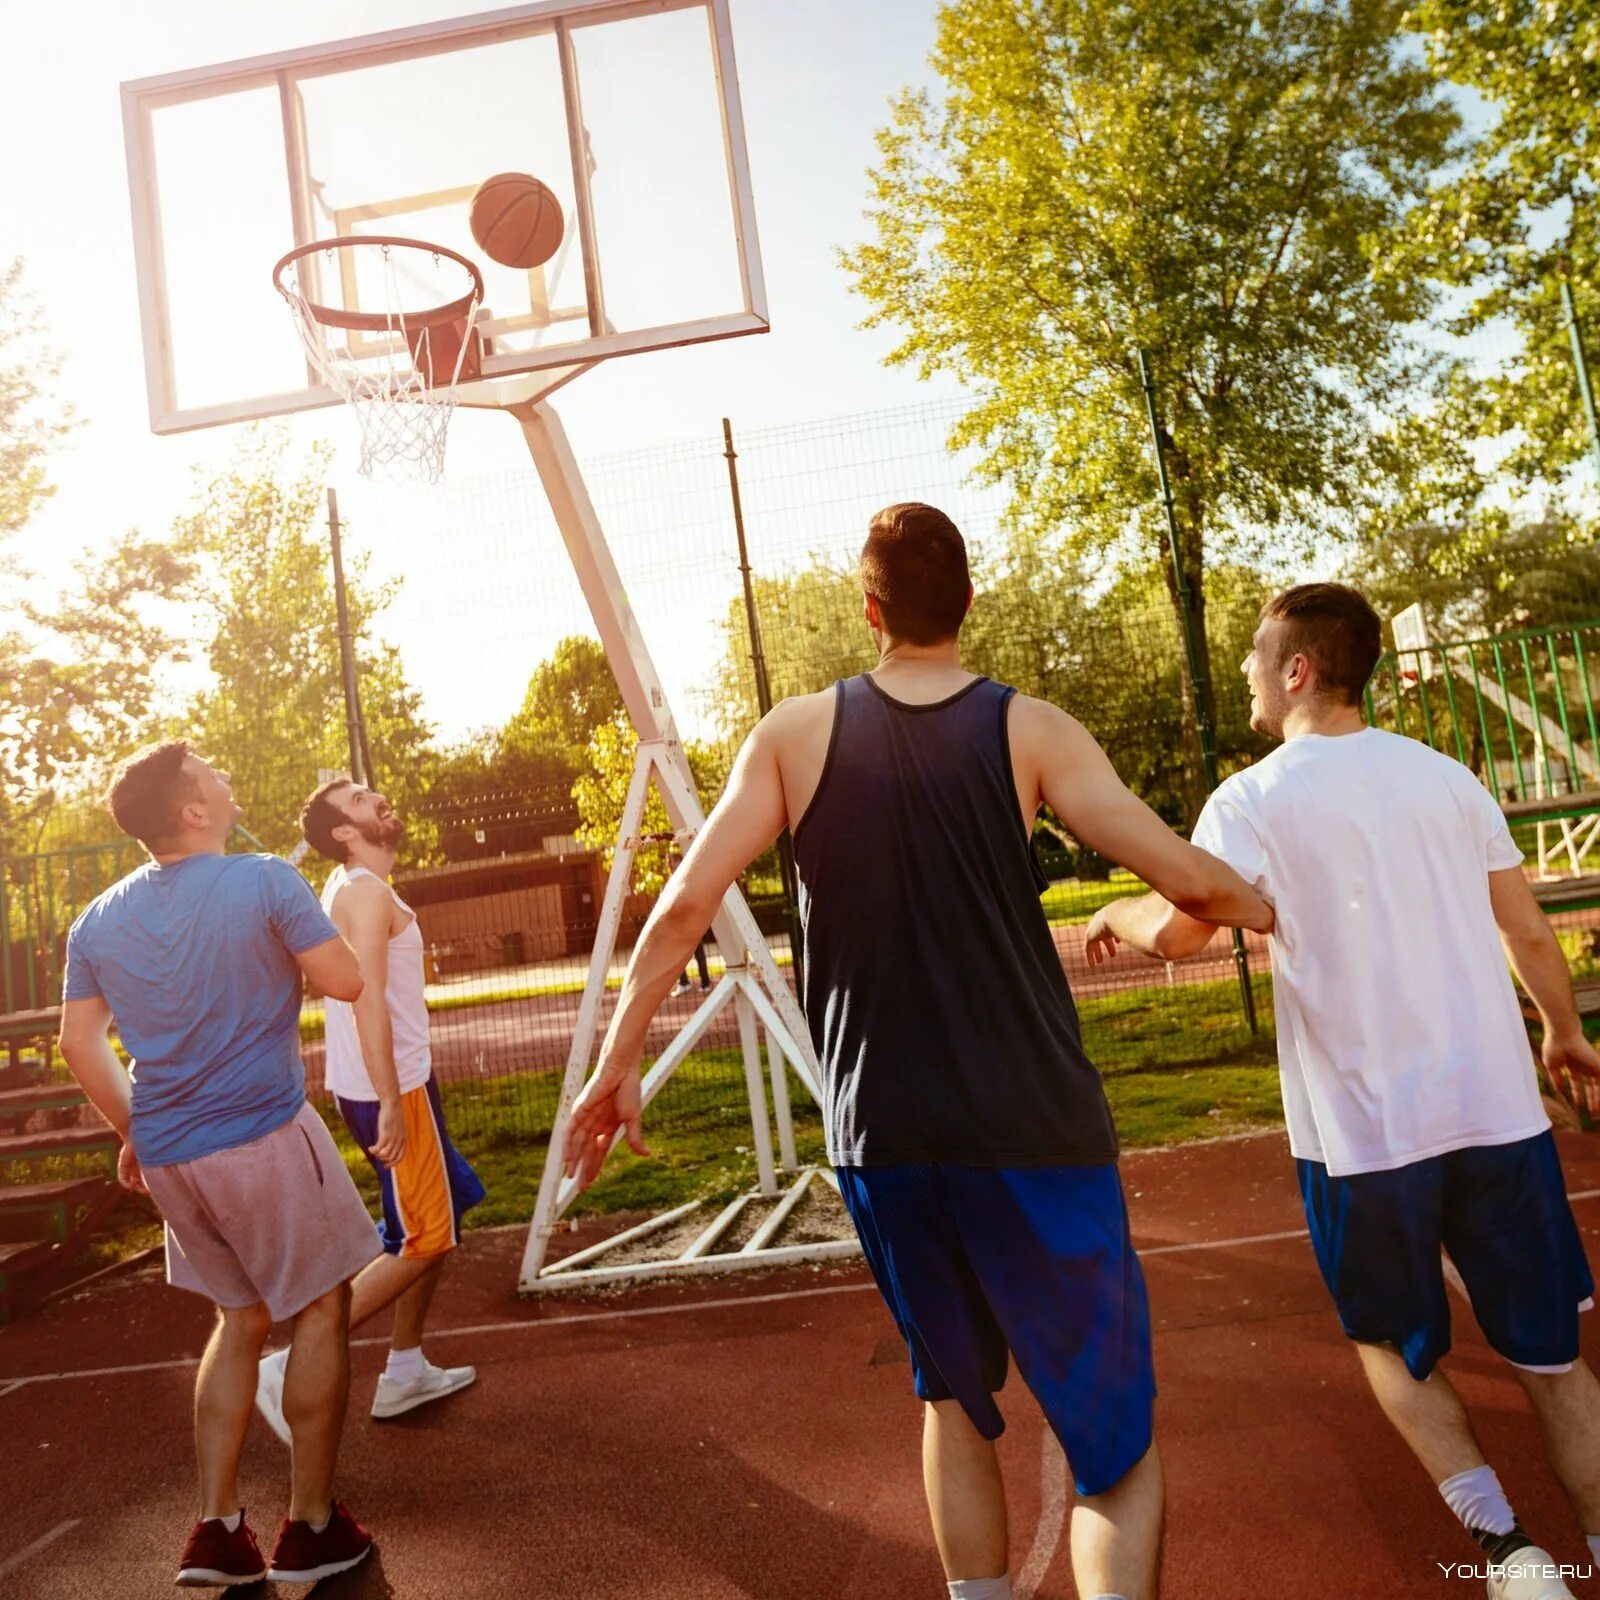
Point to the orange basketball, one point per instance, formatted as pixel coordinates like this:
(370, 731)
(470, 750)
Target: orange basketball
(516, 220)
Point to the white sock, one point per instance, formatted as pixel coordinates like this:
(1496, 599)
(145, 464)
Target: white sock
(321, 1527)
(1594, 1546)
(981, 1588)
(1478, 1500)
(404, 1365)
(230, 1523)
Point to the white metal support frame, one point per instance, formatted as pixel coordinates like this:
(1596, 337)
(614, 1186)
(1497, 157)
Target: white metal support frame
(751, 982)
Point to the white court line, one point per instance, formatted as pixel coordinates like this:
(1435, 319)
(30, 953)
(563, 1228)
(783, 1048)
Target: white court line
(28, 1552)
(629, 1312)
(435, 1334)
(1052, 1517)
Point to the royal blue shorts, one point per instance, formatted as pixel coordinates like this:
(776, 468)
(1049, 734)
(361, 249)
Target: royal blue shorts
(976, 1262)
(1499, 1210)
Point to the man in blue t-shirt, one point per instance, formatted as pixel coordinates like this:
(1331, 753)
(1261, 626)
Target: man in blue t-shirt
(196, 957)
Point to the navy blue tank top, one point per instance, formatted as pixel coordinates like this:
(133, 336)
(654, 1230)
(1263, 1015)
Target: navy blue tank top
(941, 1017)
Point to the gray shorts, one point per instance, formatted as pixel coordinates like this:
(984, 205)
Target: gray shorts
(278, 1221)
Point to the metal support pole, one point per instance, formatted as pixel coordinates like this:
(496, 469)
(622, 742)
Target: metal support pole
(1581, 364)
(1198, 681)
(758, 660)
(347, 658)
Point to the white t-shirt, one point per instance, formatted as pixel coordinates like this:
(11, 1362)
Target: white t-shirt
(346, 1070)
(1399, 1033)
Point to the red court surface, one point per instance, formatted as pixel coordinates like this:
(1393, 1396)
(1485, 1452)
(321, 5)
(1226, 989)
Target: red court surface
(758, 1436)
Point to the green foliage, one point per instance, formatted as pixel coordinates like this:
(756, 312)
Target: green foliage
(1202, 181)
(569, 695)
(601, 794)
(274, 714)
(1472, 584)
(1499, 225)
(77, 676)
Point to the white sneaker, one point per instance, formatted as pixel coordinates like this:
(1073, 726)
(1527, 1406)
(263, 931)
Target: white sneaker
(432, 1383)
(269, 1391)
(1528, 1574)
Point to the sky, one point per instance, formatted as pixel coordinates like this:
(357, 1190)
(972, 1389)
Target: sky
(815, 77)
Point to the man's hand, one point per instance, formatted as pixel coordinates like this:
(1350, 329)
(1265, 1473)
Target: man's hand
(1572, 1065)
(610, 1100)
(1099, 942)
(390, 1145)
(129, 1174)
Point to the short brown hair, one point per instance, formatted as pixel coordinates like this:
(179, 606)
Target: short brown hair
(1335, 629)
(914, 564)
(148, 792)
(319, 816)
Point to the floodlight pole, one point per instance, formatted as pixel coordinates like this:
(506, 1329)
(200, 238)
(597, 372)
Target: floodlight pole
(1199, 683)
(758, 660)
(360, 768)
(1581, 364)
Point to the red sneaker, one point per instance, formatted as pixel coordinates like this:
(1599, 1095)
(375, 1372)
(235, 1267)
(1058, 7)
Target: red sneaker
(215, 1558)
(302, 1555)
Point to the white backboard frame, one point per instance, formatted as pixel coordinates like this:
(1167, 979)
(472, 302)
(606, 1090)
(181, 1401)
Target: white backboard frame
(512, 377)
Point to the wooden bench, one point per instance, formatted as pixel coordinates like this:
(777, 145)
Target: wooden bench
(1568, 894)
(19, 1029)
(1552, 807)
(60, 1142)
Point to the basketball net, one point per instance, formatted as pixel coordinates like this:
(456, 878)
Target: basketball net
(398, 368)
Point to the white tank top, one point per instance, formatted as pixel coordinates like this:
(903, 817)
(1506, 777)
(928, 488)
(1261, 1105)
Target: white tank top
(408, 1011)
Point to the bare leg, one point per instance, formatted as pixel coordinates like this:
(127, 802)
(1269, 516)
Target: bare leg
(1429, 1416)
(383, 1281)
(224, 1395)
(411, 1309)
(1116, 1536)
(315, 1389)
(1567, 1405)
(966, 1498)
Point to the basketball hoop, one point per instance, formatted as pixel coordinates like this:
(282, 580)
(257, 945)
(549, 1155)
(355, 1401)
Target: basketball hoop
(399, 367)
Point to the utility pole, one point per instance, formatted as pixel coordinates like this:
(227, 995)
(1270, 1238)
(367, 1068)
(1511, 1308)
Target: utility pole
(786, 867)
(355, 730)
(1199, 685)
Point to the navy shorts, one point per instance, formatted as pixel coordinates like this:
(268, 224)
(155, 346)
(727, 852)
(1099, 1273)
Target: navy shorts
(1499, 1210)
(1038, 1261)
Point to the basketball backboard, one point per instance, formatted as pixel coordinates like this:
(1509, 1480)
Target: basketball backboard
(1411, 642)
(627, 109)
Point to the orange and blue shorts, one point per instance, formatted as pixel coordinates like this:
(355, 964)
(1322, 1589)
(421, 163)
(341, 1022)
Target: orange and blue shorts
(426, 1194)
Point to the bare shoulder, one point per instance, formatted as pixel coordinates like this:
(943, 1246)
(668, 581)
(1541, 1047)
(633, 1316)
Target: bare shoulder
(360, 899)
(797, 723)
(1037, 728)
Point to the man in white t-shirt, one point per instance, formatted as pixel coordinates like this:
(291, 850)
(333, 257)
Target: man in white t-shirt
(379, 1068)
(1410, 1096)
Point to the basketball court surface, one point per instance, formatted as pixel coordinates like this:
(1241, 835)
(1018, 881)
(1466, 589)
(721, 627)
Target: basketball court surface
(757, 1436)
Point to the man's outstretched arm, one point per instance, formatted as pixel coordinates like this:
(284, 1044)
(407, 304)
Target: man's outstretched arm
(746, 821)
(1149, 924)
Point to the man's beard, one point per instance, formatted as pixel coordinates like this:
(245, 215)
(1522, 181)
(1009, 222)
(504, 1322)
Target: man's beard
(383, 831)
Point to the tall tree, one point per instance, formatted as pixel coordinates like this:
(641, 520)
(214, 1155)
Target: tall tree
(1198, 180)
(274, 713)
(79, 675)
(1522, 212)
(569, 695)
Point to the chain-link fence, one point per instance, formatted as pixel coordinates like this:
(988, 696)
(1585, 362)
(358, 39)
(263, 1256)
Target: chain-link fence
(511, 799)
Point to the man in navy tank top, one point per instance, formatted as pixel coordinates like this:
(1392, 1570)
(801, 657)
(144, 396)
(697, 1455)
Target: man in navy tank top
(969, 1130)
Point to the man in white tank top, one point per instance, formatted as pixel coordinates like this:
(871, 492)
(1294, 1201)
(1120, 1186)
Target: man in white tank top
(379, 1069)
(1413, 1110)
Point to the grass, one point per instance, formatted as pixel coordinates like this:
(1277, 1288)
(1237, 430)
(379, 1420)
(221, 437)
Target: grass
(1077, 899)
(1178, 1065)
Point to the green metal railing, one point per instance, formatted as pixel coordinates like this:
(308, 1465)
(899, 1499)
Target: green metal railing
(1519, 709)
(40, 898)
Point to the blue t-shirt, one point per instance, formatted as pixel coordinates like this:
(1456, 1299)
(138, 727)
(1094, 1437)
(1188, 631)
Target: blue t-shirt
(196, 960)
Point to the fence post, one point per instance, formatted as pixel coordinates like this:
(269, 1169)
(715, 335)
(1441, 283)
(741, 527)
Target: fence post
(758, 661)
(360, 765)
(1581, 364)
(1202, 711)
